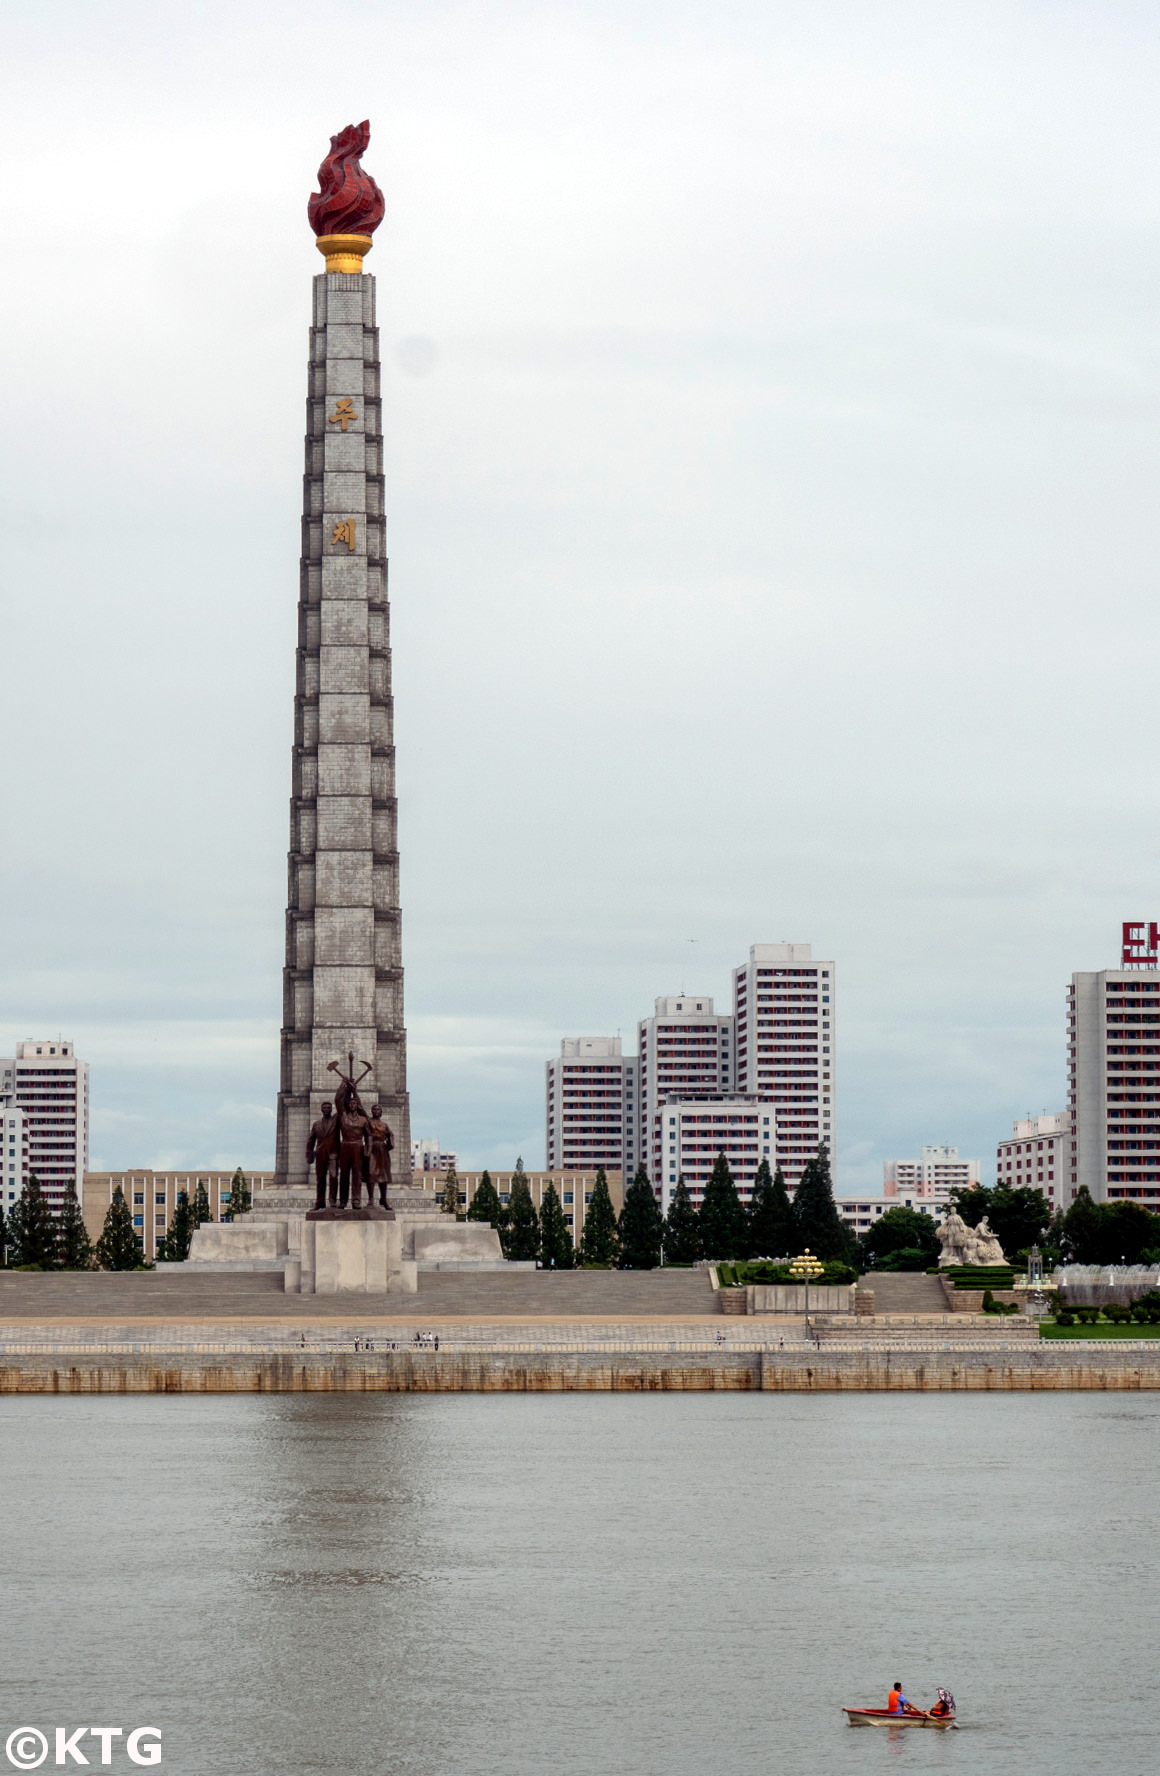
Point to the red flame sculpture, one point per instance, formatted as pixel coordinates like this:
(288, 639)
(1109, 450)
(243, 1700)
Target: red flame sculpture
(348, 200)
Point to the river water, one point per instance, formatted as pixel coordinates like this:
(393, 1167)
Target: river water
(606, 1585)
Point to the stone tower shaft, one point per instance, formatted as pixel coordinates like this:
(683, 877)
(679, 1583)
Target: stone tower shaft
(343, 980)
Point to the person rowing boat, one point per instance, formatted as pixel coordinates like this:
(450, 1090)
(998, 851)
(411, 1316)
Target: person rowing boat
(897, 1703)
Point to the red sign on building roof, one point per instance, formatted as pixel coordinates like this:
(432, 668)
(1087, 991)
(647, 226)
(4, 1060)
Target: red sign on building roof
(1141, 945)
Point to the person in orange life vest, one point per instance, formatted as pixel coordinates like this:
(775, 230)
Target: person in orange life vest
(896, 1702)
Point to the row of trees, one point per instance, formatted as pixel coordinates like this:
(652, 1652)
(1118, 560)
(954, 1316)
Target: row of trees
(526, 1235)
(34, 1237)
(640, 1237)
(770, 1226)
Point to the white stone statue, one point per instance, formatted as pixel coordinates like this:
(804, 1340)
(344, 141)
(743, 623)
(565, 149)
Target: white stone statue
(954, 1238)
(987, 1249)
(967, 1245)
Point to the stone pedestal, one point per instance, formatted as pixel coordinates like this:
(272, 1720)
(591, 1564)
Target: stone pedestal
(239, 1246)
(456, 1245)
(364, 1257)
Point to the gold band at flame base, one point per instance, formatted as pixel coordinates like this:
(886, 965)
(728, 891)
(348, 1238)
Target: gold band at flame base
(344, 252)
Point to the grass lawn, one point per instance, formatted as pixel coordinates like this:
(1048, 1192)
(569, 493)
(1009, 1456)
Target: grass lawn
(1103, 1330)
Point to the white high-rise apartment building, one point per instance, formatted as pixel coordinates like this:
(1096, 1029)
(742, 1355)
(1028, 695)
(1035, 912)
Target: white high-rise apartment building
(1038, 1154)
(785, 1007)
(931, 1177)
(686, 1050)
(47, 1082)
(1114, 1075)
(13, 1151)
(693, 1131)
(591, 1107)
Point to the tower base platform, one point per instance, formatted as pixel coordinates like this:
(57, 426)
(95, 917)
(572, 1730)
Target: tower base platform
(368, 1253)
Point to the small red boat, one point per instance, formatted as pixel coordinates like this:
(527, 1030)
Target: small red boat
(882, 1717)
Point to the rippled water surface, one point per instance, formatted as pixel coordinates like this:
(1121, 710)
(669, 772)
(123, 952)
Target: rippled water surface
(606, 1584)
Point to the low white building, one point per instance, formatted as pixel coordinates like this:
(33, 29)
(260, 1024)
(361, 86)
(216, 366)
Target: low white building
(691, 1132)
(428, 1156)
(861, 1212)
(930, 1178)
(1037, 1154)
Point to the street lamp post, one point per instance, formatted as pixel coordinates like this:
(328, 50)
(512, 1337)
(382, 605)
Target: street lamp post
(805, 1267)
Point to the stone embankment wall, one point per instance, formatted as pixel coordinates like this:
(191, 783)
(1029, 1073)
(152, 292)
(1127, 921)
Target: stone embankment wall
(407, 1372)
(1049, 1367)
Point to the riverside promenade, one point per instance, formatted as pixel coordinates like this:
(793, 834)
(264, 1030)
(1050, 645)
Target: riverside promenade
(520, 1332)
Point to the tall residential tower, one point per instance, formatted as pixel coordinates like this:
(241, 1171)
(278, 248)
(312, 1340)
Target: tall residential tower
(785, 1010)
(1114, 1075)
(50, 1086)
(591, 1106)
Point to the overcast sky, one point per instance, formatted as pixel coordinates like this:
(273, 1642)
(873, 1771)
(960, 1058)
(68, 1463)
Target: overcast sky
(771, 403)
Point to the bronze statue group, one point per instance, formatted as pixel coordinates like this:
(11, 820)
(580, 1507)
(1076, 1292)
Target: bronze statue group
(348, 1149)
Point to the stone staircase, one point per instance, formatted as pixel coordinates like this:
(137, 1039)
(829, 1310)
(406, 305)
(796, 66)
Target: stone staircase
(906, 1292)
(185, 1295)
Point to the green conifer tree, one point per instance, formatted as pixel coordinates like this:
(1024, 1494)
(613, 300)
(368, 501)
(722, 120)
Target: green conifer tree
(449, 1196)
(201, 1208)
(816, 1219)
(32, 1229)
(74, 1248)
(723, 1229)
(556, 1249)
(174, 1248)
(598, 1240)
(771, 1232)
(4, 1237)
(119, 1247)
(12, 1234)
(1085, 1230)
(485, 1204)
(241, 1200)
(682, 1237)
(523, 1229)
(642, 1225)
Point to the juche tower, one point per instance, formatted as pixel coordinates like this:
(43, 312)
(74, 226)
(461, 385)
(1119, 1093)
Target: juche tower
(343, 981)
